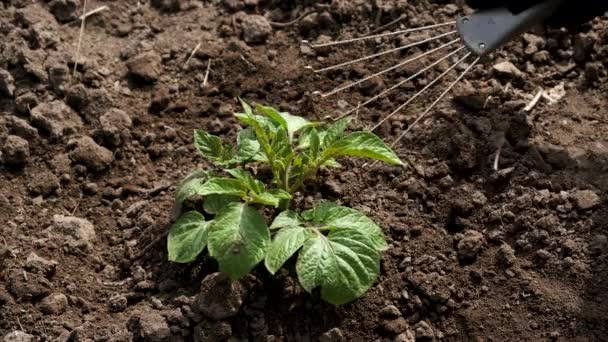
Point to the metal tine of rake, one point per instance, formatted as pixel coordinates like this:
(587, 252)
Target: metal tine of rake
(382, 72)
(437, 100)
(386, 91)
(382, 53)
(421, 91)
(381, 35)
(445, 92)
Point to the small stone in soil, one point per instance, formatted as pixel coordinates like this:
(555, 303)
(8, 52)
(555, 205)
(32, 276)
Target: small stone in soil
(256, 29)
(395, 326)
(219, 297)
(470, 245)
(64, 10)
(22, 128)
(117, 303)
(211, 331)
(333, 335)
(87, 152)
(37, 264)
(148, 326)
(390, 311)
(44, 183)
(15, 151)
(77, 228)
(56, 118)
(407, 336)
(54, 304)
(27, 286)
(115, 126)
(7, 83)
(586, 199)
(145, 67)
(18, 336)
(160, 100)
(59, 77)
(506, 255)
(24, 103)
(508, 69)
(424, 332)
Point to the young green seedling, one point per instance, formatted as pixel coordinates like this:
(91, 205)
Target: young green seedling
(339, 248)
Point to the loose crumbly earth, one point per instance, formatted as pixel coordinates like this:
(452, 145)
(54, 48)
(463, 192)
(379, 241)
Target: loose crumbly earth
(90, 161)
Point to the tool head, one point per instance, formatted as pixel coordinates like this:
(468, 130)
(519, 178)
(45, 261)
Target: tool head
(488, 30)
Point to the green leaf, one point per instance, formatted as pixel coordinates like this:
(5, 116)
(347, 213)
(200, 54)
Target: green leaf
(223, 186)
(265, 131)
(238, 239)
(292, 123)
(344, 264)
(287, 218)
(284, 245)
(190, 185)
(265, 198)
(187, 237)
(214, 203)
(280, 194)
(247, 179)
(335, 131)
(271, 198)
(362, 144)
(319, 213)
(333, 216)
(348, 218)
(315, 145)
(211, 147)
(246, 107)
(248, 146)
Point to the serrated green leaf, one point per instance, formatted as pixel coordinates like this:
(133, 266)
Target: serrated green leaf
(348, 218)
(333, 216)
(238, 239)
(214, 203)
(248, 146)
(315, 145)
(335, 131)
(246, 107)
(247, 179)
(223, 186)
(265, 131)
(292, 123)
(281, 145)
(280, 194)
(190, 184)
(265, 198)
(287, 218)
(187, 237)
(271, 198)
(284, 245)
(319, 213)
(362, 144)
(343, 264)
(211, 147)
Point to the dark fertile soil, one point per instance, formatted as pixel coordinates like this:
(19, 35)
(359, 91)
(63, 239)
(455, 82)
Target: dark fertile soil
(89, 164)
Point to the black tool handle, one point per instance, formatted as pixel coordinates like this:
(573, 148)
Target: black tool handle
(490, 29)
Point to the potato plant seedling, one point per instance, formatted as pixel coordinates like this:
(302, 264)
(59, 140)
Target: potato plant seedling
(338, 248)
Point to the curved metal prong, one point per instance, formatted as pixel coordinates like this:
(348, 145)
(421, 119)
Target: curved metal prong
(381, 35)
(400, 48)
(420, 92)
(445, 92)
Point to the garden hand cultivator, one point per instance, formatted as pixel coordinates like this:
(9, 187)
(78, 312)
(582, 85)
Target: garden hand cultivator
(470, 38)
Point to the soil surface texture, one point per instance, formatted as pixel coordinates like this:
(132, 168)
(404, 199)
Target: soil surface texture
(96, 130)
